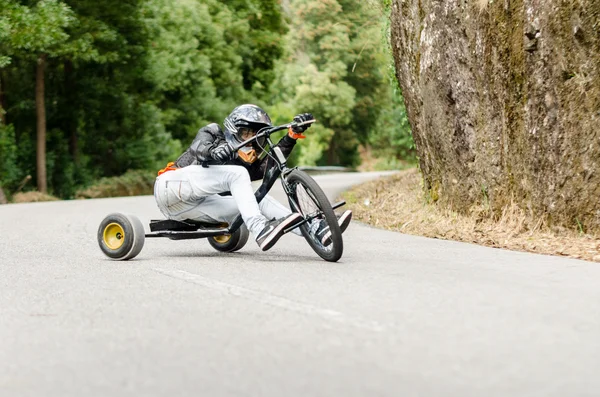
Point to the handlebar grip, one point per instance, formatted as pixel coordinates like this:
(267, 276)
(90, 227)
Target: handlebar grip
(305, 122)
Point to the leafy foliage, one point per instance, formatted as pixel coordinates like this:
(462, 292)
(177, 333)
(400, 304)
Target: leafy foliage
(40, 28)
(337, 68)
(9, 173)
(131, 183)
(129, 82)
(391, 139)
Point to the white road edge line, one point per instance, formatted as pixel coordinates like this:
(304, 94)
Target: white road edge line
(271, 300)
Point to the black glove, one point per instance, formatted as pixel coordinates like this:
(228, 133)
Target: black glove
(301, 118)
(223, 153)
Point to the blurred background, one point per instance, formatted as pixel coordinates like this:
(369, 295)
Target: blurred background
(96, 96)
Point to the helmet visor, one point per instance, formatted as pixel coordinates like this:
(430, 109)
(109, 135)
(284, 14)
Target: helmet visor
(245, 133)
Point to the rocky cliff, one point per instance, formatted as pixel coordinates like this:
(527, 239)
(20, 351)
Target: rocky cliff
(504, 101)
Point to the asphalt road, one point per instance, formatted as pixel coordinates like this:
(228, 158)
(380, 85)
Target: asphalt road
(397, 316)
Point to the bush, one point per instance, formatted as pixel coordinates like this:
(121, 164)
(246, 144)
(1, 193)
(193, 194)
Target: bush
(9, 171)
(32, 197)
(132, 183)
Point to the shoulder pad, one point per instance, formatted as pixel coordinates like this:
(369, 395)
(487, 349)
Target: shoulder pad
(214, 128)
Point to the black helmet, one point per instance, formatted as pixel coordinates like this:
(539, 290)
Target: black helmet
(245, 117)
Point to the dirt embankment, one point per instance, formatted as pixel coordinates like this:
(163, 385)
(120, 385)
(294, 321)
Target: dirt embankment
(399, 203)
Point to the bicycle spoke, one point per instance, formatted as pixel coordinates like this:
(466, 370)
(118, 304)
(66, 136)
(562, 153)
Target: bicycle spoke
(306, 202)
(310, 210)
(308, 199)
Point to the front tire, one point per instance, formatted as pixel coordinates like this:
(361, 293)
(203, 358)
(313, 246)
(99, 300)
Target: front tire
(307, 198)
(230, 242)
(121, 237)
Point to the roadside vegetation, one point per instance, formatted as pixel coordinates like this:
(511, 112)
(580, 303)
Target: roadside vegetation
(399, 203)
(94, 90)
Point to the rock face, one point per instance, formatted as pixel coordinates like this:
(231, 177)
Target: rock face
(504, 101)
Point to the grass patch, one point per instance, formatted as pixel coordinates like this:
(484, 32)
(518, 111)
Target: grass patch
(132, 183)
(32, 197)
(398, 203)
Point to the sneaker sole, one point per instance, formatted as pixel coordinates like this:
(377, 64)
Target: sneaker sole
(277, 232)
(344, 220)
(326, 240)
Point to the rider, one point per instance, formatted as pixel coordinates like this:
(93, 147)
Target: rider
(192, 187)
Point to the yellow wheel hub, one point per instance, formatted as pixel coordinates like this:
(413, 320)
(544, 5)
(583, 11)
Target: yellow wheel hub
(222, 239)
(114, 236)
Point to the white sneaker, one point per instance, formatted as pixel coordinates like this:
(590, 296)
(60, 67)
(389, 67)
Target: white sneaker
(274, 229)
(321, 230)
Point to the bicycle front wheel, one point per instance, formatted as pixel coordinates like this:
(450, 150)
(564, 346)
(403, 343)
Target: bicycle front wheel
(307, 198)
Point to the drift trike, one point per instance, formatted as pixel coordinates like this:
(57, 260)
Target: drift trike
(122, 236)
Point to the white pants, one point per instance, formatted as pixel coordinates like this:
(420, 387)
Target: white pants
(192, 193)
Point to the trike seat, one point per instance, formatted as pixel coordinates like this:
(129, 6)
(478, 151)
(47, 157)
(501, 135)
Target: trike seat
(188, 225)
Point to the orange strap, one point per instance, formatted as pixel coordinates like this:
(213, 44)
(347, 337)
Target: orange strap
(294, 135)
(170, 167)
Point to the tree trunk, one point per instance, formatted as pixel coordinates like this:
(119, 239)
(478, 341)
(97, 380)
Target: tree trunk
(503, 100)
(331, 152)
(40, 107)
(2, 197)
(71, 122)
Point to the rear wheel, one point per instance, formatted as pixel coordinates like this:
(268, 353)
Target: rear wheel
(307, 198)
(121, 237)
(230, 242)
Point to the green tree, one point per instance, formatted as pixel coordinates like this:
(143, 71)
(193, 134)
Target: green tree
(193, 66)
(261, 45)
(38, 32)
(121, 78)
(391, 139)
(114, 123)
(8, 171)
(207, 57)
(335, 68)
(92, 75)
(4, 58)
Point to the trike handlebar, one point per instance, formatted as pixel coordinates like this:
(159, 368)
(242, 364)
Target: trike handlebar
(267, 131)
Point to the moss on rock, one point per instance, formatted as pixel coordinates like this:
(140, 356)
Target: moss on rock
(505, 95)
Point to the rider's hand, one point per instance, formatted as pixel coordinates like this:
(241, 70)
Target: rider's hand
(223, 153)
(295, 131)
(301, 118)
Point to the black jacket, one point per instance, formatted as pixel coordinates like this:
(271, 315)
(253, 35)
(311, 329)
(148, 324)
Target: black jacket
(211, 136)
